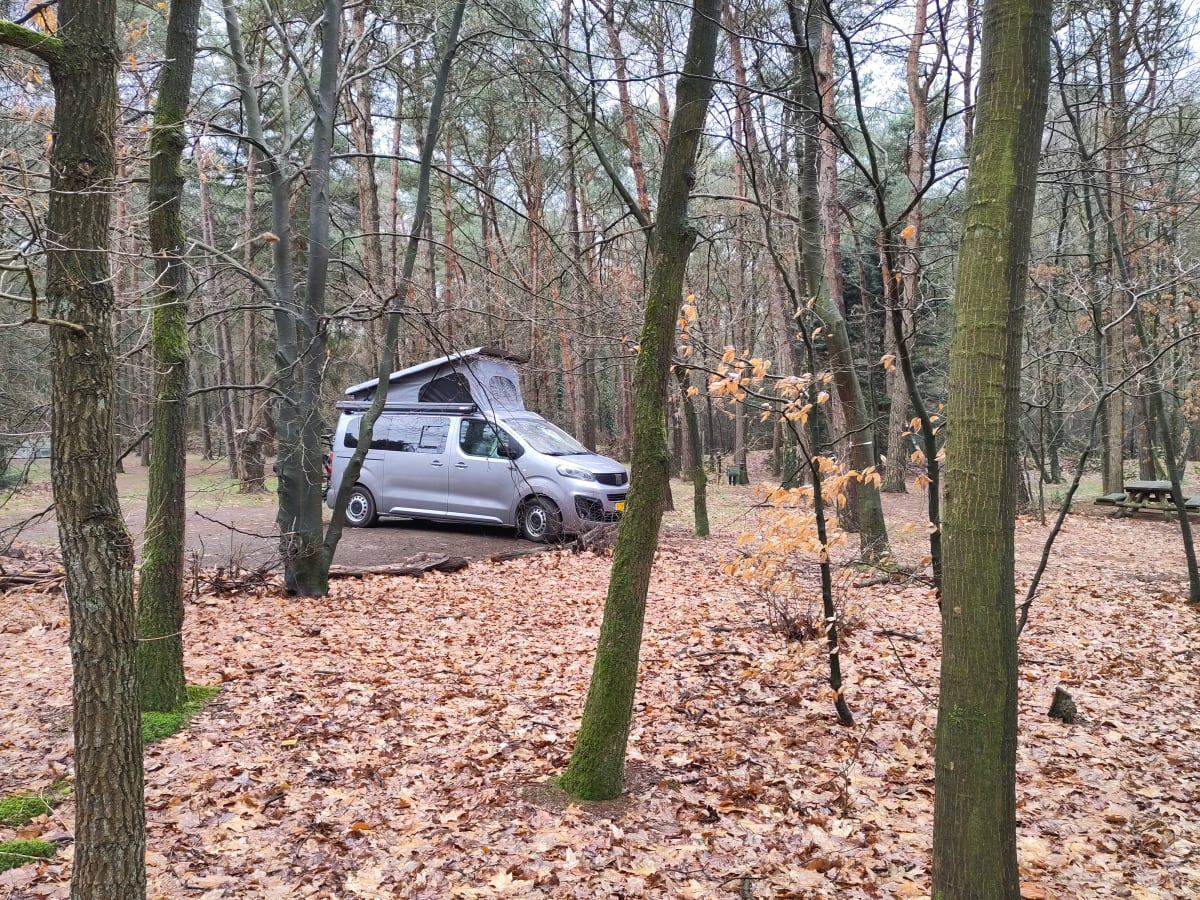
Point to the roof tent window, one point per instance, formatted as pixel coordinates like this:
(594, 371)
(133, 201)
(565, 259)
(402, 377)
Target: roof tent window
(503, 391)
(452, 388)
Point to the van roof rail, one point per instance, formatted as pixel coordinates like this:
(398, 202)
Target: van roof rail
(428, 408)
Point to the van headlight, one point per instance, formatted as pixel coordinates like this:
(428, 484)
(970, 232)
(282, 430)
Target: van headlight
(576, 473)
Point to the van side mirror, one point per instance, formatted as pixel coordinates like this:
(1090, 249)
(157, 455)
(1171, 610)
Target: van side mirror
(508, 449)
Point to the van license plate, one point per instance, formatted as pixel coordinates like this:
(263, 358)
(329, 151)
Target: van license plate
(620, 506)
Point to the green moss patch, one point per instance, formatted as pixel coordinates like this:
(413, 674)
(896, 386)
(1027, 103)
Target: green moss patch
(18, 853)
(21, 809)
(159, 725)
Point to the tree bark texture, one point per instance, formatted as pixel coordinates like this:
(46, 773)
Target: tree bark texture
(597, 766)
(160, 587)
(974, 852)
(110, 825)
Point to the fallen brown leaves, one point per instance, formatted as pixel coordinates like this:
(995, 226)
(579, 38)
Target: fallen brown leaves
(394, 739)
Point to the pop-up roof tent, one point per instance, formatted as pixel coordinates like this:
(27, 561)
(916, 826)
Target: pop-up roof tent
(481, 376)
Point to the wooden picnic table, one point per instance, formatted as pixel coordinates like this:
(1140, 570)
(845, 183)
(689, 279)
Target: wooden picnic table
(1152, 496)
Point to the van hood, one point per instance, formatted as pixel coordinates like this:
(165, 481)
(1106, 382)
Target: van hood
(594, 462)
(607, 472)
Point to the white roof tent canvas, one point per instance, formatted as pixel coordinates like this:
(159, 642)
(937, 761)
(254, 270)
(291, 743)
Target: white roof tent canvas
(485, 377)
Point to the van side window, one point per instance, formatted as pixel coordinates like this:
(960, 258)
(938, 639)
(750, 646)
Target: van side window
(419, 434)
(434, 432)
(479, 438)
(379, 439)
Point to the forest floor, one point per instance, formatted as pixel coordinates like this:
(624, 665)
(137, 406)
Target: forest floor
(396, 739)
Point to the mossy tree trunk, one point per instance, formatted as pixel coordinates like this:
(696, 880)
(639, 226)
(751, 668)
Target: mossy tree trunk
(160, 588)
(974, 842)
(597, 766)
(806, 22)
(110, 824)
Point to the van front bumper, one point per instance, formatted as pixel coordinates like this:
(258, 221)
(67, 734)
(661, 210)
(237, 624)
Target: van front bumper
(599, 509)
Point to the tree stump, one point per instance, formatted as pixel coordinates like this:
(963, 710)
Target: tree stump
(251, 460)
(1062, 707)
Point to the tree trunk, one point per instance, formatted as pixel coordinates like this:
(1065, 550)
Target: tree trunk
(574, 364)
(449, 254)
(897, 441)
(741, 334)
(362, 132)
(632, 141)
(245, 403)
(910, 263)
(873, 537)
(204, 417)
(393, 206)
(845, 440)
(222, 342)
(1115, 339)
(143, 378)
(299, 459)
(110, 825)
(974, 842)
(337, 520)
(597, 766)
(695, 460)
(160, 586)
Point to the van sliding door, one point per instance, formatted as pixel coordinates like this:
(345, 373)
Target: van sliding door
(417, 469)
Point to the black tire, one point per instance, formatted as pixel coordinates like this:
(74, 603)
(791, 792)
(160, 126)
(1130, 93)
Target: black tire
(540, 521)
(360, 509)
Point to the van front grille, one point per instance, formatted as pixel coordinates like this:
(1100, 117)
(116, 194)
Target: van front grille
(616, 498)
(590, 510)
(616, 479)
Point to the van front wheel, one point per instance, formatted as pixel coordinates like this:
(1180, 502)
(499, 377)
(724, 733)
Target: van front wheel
(360, 510)
(541, 522)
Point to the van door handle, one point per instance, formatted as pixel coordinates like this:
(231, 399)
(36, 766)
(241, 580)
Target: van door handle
(437, 463)
(461, 465)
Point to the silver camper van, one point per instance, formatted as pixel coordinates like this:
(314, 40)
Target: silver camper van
(455, 443)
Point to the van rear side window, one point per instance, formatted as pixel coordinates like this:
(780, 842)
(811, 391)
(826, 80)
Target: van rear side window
(403, 434)
(378, 434)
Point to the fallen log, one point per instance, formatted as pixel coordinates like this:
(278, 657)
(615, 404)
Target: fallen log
(509, 555)
(42, 576)
(415, 566)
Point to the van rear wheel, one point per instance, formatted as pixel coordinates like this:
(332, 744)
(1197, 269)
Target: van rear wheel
(541, 522)
(360, 510)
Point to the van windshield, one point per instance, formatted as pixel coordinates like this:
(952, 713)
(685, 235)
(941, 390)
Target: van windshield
(546, 438)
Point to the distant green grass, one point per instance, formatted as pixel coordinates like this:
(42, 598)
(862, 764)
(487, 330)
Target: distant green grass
(159, 725)
(21, 809)
(18, 853)
(209, 486)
